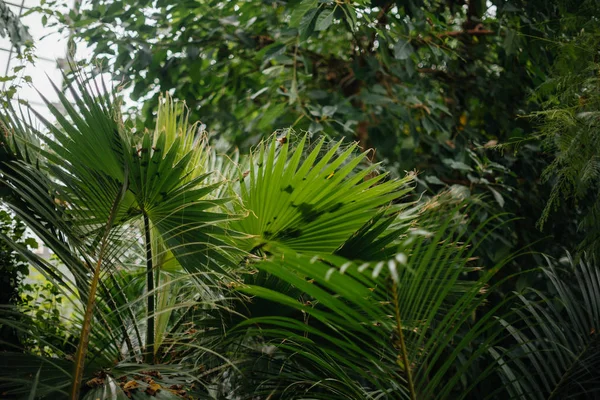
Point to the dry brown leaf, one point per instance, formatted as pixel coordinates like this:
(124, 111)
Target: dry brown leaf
(152, 388)
(130, 385)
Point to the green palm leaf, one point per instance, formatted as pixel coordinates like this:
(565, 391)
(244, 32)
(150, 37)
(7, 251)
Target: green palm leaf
(309, 201)
(557, 355)
(399, 328)
(68, 200)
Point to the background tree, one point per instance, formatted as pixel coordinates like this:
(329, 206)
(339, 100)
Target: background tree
(568, 123)
(297, 264)
(429, 85)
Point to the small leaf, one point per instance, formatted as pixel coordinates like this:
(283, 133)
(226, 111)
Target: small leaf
(377, 269)
(315, 127)
(294, 91)
(376, 99)
(328, 111)
(460, 192)
(401, 258)
(261, 91)
(324, 21)
(31, 243)
(274, 51)
(428, 125)
(403, 49)
(300, 10)
(350, 16)
(393, 271)
(459, 165)
(497, 196)
(307, 25)
(275, 69)
(434, 180)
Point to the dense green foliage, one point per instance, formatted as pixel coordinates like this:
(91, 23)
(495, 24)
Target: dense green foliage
(431, 86)
(13, 269)
(279, 249)
(297, 271)
(569, 125)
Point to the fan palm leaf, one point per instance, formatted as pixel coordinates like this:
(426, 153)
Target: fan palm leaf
(310, 200)
(69, 200)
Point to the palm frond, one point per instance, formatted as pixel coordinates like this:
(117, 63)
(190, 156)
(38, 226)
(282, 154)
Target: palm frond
(557, 351)
(88, 159)
(310, 201)
(366, 330)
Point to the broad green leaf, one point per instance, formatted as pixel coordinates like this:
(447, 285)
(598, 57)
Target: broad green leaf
(300, 10)
(497, 196)
(324, 20)
(458, 165)
(307, 24)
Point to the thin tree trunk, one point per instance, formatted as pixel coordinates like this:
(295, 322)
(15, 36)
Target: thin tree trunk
(150, 293)
(86, 326)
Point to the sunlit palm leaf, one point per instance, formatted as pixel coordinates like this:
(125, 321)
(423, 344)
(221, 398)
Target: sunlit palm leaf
(307, 200)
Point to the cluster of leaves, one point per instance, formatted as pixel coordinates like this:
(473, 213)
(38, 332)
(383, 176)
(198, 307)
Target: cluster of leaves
(561, 322)
(297, 271)
(11, 26)
(42, 311)
(430, 86)
(402, 68)
(13, 268)
(569, 125)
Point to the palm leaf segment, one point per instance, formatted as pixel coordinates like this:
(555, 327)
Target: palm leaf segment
(165, 180)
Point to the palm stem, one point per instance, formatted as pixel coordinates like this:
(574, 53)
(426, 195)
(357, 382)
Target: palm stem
(409, 377)
(85, 333)
(86, 327)
(150, 293)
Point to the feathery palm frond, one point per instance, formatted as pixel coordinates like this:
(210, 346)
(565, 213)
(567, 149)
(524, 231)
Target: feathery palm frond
(557, 355)
(399, 328)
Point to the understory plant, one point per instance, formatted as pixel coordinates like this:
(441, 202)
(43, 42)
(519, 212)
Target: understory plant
(297, 271)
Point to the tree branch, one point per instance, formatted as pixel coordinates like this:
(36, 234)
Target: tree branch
(479, 30)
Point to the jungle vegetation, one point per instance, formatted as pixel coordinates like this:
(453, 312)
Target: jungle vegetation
(306, 200)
